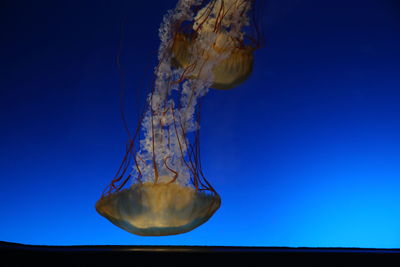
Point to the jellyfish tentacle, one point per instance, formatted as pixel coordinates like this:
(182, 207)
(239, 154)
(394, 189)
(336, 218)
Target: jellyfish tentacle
(173, 171)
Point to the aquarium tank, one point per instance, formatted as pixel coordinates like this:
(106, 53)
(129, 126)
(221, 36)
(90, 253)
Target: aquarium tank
(248, 123)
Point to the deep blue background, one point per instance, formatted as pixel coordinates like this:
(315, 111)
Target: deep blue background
(305, 153)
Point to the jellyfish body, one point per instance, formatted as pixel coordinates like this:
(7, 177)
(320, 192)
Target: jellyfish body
(228, 73)
(218, 17)
(159, 209)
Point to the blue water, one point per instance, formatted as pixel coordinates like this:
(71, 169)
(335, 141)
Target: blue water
(305, 153)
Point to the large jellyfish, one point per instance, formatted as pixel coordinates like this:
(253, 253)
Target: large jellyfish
(160, 188)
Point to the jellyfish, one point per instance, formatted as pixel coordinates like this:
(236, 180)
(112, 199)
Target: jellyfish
(159, 188)
(233, 69)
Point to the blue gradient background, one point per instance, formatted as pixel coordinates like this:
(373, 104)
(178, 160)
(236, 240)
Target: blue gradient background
(305, 153)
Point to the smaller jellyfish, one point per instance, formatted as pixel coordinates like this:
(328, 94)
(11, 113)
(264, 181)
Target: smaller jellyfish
(229, 73)
(202, 46)
(214, 18)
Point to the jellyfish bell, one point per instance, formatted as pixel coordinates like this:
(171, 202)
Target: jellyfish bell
(229, 72)
(161, 209)
(216, 17)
